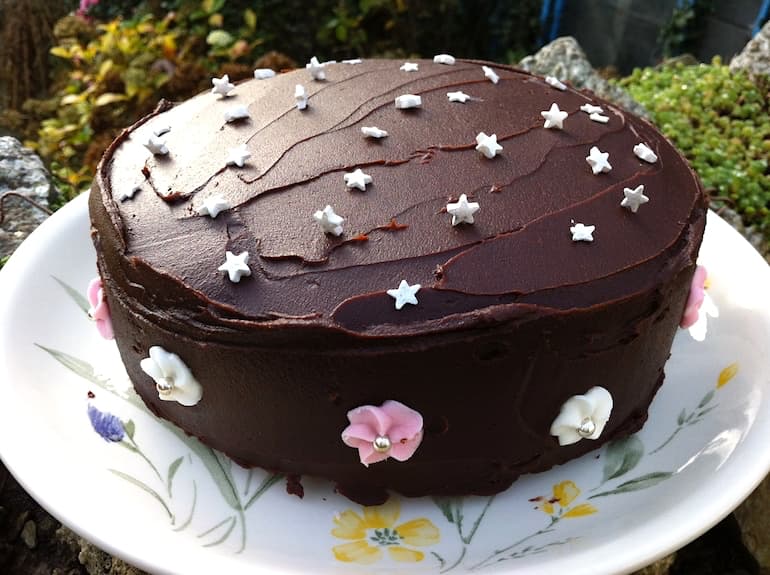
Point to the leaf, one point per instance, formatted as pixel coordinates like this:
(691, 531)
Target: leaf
(212, 5)
(77, 297)
(130, 428)
(172, 469)
(704, 412)
(682, 417)
(641, 482)
(250, 18)
(70, 99)
(706, 399)
(146, 488)
(61, 52)
(621, 457)
(445, 506)
(266, 484)
(219, 39)
(109, 98)
(77, 366)
(727, 374)
(212, 464)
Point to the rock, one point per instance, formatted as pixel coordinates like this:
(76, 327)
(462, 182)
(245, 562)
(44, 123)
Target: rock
(564, 59)
(660, 567)
(29, 534)
(18, 524)
(752, 516)
(755, 56)
(23, 174)
(95, 561)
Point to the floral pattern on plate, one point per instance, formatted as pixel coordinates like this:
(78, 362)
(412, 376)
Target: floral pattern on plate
(702, 451)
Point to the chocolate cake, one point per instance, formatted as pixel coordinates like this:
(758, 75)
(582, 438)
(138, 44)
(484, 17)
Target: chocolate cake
(429, 278)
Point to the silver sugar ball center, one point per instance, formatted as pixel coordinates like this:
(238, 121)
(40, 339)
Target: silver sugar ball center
(381, 443)
(165, 386)
(587, 427)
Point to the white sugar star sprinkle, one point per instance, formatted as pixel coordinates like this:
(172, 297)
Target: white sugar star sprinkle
(644, 153)
(156, 145)
(598, 161)
(316, 69)
(329, 221)
(458, 96)
(599, 118)
(161, 129)
(462, 210)
(591, 109)
(404, 294)
(353, 61)
(300, 96)
(555, 83)
(408, 101)
(128, 193)
(237, 113)
(212, 206)
(237, 156)
(373, 132)
(488, 145)
(581, 233)
(634, 198)
(444, 59)
(357, 179)
(222, 86)
(264, 73)
(554, 118)
(490, 73)
(236, 266)
(409, 67)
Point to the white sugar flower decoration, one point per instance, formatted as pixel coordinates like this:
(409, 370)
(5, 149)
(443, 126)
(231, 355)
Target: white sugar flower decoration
(173, 379)
(583, 416)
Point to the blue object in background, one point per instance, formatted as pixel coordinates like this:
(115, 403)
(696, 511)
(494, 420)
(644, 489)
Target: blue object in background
(764, 11)
(554, 16)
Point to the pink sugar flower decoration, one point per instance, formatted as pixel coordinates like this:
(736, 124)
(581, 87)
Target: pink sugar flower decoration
(99, 310)
(391, 430)
(695, 299)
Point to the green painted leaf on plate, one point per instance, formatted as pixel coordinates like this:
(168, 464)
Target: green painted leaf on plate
(641, 482)
(622, 456)
(76, 296)
(144, 487)
(172, 469)
(130, 428)
(77, 366)
(706, 399)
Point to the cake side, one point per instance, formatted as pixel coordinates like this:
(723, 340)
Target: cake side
(513, 319)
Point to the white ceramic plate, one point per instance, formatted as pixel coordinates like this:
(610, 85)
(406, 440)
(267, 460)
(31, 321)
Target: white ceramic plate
(169, 505)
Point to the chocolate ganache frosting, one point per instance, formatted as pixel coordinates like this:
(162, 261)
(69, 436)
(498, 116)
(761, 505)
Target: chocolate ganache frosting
(513, 316)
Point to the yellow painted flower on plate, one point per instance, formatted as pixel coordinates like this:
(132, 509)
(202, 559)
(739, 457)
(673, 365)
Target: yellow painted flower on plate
(374, 532)
(564, 494)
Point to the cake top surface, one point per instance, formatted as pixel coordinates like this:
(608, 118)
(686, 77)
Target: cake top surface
(469, 195)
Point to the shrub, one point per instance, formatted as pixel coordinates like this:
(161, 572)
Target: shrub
(721, 121)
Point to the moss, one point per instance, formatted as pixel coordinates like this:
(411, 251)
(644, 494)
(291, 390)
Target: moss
(720, 121)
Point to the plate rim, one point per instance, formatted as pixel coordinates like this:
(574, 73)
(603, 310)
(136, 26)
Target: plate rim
(636, 556)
